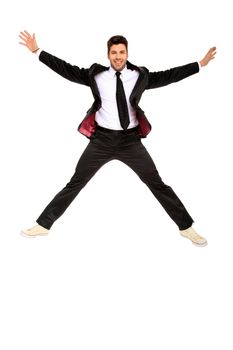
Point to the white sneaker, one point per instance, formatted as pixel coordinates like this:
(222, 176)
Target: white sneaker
(35, 231)
(191, 234)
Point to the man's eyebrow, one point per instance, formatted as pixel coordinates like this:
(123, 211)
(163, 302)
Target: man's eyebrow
(121, 51)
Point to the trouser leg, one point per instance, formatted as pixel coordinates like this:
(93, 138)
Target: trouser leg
(89, 163)
(138, 159)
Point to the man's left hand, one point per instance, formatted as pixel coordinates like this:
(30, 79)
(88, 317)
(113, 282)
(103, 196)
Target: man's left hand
(209, 56)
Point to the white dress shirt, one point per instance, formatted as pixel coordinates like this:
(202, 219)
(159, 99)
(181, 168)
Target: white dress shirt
(107, 116)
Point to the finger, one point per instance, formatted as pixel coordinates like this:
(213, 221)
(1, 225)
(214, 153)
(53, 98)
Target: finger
(213, 53)
(212, 49)
(22, 38)
(22, 44)
(27, 33)
(24, 35)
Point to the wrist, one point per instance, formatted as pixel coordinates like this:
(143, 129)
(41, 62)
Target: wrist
(202, 63)
(35, 50)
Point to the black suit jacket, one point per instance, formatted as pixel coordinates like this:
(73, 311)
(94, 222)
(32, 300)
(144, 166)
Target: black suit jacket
(146, 80)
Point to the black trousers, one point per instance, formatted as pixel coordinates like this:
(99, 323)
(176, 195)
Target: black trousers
(125, 146)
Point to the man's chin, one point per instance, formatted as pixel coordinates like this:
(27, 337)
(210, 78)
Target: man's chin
(118, 67)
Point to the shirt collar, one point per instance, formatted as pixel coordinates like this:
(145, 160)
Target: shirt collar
(112, 71)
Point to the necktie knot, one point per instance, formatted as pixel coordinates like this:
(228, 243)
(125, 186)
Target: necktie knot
(118, 74)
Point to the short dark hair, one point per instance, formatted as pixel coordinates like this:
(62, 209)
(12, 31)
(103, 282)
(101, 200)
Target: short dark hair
(117, 39)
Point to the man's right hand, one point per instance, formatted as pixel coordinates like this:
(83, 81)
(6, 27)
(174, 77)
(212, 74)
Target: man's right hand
(29, 41)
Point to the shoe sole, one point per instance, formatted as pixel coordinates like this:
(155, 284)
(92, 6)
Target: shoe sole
(197, 244)
(200, 245)
(32, 236)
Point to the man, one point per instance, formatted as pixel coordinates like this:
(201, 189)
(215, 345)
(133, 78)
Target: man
(115, 125)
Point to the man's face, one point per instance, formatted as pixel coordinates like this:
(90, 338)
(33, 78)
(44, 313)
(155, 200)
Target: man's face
(118, 56)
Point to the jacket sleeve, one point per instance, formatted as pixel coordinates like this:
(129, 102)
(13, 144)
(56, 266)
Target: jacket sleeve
(66, 70)
(162, 78)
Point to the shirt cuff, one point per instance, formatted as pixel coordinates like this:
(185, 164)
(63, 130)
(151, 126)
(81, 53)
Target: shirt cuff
(199, 64)
(37, 53)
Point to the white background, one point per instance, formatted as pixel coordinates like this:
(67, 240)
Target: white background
(114, 272)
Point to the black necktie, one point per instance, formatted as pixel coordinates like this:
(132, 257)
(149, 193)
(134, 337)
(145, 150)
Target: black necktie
(121, 103)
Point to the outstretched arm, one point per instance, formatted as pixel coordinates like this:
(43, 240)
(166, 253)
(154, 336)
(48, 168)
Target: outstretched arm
(162, 78)
(208, 57)
(66, 70)
(173, 75)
